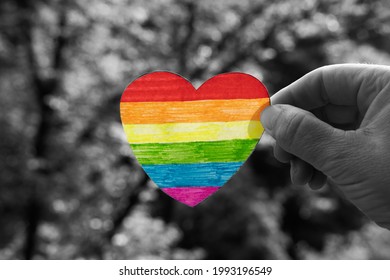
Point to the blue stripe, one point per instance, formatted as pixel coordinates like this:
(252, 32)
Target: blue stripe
(190, 175)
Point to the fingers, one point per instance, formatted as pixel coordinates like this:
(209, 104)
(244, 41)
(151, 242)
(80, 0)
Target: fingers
(303, 173)
(300, 133)
(347, 85)
(300, 172)
(281, 155)
(318, 180)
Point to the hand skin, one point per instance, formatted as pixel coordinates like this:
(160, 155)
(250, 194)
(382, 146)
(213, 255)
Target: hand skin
(335, 128)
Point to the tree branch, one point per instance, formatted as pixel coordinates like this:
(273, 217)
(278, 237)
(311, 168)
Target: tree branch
(61, 41)
(183, 47)
(232, 35)
(129, 204)
(42, 87)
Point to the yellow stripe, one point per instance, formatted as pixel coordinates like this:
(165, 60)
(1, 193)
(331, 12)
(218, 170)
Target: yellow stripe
(192, 132)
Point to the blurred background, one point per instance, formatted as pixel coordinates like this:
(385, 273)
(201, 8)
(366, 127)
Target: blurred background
(70, 187)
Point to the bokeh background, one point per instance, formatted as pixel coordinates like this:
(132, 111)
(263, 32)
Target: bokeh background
(70, 187)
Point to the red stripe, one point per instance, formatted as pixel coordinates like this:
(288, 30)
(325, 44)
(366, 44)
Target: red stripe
(166, 86)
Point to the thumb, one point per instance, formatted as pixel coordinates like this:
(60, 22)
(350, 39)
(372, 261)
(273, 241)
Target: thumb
(302, 134)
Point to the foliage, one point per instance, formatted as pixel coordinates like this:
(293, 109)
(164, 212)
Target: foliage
(70, 187)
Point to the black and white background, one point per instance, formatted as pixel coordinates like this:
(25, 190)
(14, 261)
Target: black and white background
(69, 185)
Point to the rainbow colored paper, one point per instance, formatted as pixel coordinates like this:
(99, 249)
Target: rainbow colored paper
(190, 142)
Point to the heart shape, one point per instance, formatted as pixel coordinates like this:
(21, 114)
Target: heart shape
(191, 142)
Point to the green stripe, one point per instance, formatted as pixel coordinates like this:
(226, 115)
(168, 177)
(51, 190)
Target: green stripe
(194, 152)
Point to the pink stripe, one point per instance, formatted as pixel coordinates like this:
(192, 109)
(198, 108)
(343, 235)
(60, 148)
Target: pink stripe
(190, 196)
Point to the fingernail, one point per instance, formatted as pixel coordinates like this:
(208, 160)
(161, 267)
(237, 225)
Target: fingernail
(268, 117)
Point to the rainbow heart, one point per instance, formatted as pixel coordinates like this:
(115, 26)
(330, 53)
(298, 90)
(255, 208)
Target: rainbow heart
(190, 142)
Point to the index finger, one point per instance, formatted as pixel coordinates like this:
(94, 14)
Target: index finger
(342, 84)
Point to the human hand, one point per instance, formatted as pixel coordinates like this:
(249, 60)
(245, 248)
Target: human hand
(336, 128)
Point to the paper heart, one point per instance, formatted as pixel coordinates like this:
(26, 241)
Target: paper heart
(190, 142)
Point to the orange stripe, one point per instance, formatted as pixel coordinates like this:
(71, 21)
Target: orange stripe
(192, 111)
